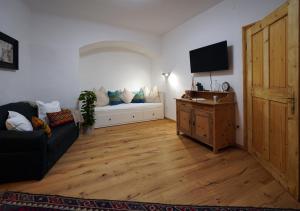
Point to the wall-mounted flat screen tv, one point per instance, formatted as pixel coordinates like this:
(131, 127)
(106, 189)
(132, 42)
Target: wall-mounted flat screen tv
(209, 58)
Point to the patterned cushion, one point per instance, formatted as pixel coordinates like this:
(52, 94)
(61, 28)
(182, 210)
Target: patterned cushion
(60, 118)
(40, 124)
(139, 97)
(114, 97)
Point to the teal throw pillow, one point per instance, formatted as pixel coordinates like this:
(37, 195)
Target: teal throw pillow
(139, 97)
(114, 97)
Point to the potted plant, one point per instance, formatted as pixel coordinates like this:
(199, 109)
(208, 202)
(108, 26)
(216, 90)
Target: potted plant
(87, 101)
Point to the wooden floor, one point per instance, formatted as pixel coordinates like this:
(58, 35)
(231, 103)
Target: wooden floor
(149, 162)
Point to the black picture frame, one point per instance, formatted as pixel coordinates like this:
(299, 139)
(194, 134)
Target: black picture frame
(11, 46)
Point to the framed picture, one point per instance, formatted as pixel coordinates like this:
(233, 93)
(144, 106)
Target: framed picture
(9, 52)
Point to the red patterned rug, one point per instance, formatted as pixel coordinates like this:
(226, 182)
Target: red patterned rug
(11, 201)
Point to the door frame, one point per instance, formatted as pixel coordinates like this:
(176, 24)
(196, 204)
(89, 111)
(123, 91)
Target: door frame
(245, 78)
(293, 11)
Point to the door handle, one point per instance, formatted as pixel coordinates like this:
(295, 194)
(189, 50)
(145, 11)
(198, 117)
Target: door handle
(293, 106)
(292, 100)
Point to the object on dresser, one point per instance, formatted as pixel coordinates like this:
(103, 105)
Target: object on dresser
(186, 96)
(222, 97)
(199, 87)
(225, 86)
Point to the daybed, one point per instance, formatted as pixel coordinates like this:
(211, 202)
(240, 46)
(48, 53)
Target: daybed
(128, 113)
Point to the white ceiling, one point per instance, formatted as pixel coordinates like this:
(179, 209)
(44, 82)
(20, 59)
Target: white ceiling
(154, 16)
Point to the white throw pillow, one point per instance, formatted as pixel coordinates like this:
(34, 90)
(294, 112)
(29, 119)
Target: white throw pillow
(17, 122)
(153, 96)
(127, 96)
(146, 91)
(44, 108)
(102, 97)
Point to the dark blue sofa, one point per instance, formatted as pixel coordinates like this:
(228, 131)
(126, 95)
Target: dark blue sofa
(29, 155)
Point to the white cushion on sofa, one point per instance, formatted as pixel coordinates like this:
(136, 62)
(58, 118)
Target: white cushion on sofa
(127, 96)
(17, 121)
(44, 108)
(102, 97)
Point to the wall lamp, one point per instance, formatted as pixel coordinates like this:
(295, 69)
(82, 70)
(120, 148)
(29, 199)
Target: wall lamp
(166, 75)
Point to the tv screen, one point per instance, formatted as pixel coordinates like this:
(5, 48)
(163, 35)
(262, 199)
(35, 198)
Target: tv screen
(209, 58)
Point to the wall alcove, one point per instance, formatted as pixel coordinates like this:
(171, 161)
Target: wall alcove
(115, 65)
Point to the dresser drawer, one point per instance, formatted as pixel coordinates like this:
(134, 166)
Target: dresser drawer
(203, 108)
(184, 105)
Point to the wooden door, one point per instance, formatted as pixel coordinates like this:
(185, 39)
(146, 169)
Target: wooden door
(272, 93)
(184, 118)
(203, 126)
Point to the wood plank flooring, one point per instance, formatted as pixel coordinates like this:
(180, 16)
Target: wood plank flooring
(149, 162)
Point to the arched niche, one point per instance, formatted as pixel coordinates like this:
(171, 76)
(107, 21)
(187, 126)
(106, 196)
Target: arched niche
(115, 45)
(115, 65)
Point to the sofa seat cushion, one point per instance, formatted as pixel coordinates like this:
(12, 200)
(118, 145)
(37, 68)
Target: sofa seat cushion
(60, 135)
(21, 141)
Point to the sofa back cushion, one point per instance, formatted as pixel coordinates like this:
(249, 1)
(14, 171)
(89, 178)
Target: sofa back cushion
(24, 108)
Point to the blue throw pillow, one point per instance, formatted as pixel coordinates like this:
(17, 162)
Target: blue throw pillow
(139, 97)
(114, 97)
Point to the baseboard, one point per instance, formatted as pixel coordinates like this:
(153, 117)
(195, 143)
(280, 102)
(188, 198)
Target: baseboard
(240, 147)
(170, 119)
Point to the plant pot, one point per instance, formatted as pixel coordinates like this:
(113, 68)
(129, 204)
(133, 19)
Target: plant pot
(88, 130)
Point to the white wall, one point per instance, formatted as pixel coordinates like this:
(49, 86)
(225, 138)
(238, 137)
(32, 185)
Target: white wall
(49, 52)
(14, 21)
(114, 69)
(55, 52)
(222, 22)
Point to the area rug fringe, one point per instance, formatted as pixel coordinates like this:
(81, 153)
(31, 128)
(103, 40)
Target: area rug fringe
(36, 202)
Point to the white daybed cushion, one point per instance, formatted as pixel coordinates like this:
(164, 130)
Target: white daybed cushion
(130, 106)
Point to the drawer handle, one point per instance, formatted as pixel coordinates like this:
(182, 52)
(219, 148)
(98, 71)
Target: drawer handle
(132, 116)
(109, 119)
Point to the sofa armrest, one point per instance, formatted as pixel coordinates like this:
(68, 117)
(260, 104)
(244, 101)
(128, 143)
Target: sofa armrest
(23, 155)
(21, 141)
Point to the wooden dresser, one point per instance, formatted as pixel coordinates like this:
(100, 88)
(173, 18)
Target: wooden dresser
(208, 121)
